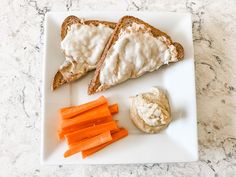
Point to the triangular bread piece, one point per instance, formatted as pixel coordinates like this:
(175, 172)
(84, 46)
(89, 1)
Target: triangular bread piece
(72, 68)
(134, 49)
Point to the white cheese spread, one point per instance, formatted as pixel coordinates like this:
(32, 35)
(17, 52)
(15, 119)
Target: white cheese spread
(83, 46)
(135, 52)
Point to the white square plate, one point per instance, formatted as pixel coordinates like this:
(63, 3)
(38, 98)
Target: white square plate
(177, 143)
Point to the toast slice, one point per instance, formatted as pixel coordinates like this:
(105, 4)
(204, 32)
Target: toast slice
(134, 49)
(71, 69)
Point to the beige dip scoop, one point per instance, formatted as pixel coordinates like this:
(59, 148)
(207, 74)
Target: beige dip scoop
(150, 111)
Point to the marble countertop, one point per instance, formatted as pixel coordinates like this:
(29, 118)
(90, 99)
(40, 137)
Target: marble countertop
(21, 35)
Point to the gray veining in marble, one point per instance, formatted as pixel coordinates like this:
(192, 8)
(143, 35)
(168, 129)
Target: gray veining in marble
(21, 35)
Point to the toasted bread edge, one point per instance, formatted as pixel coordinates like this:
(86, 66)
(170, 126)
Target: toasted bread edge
(58, 78)
(123, 22)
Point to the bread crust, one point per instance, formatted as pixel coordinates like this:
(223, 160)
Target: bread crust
(70, 20)
(123, 23)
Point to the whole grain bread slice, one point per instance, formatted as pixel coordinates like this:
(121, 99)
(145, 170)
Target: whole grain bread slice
(124, 22)
(70, 20)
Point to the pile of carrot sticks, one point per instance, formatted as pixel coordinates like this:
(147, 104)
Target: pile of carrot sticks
(89, 127)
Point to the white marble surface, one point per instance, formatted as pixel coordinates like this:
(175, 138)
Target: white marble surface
(21, 35)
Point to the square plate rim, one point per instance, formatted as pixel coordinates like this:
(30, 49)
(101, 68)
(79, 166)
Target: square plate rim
(43, 101)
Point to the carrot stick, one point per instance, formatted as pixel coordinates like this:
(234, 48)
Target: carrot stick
(89, 143)
(115, 137)
(103, 120)
(113, 108)
(115, 131)
(90, 132)
(62, 133)
(89, 116)
(69, 112)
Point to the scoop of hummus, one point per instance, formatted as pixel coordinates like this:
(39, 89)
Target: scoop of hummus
(150, 111)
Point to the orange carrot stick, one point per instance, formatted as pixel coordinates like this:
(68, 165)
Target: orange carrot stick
(62, 133)
(90, 132)
(89, 143)
(114, 108)
(115, 131)
(103, 120)
(89, 116)
(69, 112)
(115, 137)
